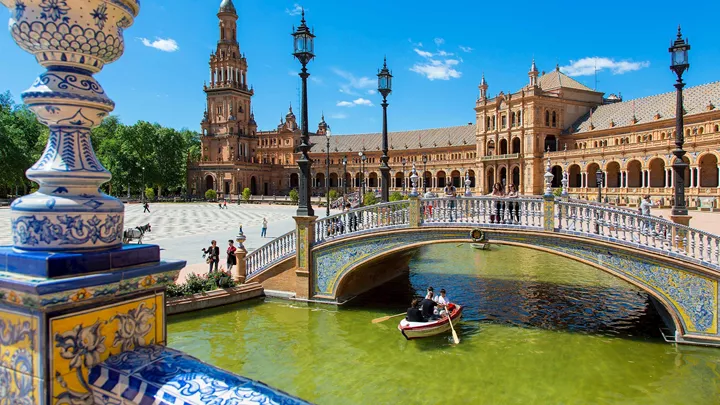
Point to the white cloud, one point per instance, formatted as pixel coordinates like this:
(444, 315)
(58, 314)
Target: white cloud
(358, 101)
(587, 66)
(466, 49)
(438, 65)
(292, 73)
(418, 44)
(296, 10)
(354, 83)
(165, 45)
(316, 80)
(339, 116)
(371, 92)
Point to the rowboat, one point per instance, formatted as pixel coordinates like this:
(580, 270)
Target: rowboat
(416, 330)
(481, 246)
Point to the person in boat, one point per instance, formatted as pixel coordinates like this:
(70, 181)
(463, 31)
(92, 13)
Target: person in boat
(442, 299)
(429, 293)
(414, 314)
(427, 307)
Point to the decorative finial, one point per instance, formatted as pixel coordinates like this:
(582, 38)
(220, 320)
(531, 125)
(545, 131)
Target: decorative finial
(413, 182)
(548, 179)
(385, 62)
(679, 34)
(564, 183)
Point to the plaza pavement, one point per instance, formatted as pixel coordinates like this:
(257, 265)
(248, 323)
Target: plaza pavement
(182, 230)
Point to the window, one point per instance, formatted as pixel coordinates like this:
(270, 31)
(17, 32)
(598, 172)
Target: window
(513, 117)
(503, 121)
(717, 128)
(487, 125)
(554, 119)
(547, 118)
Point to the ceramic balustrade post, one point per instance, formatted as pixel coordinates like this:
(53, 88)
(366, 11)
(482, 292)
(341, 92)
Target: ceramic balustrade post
(414, 211)
(304, 268)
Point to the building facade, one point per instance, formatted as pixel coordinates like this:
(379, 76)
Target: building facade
(553, 117)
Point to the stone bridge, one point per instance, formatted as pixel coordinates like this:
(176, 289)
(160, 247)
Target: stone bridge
(335, 258)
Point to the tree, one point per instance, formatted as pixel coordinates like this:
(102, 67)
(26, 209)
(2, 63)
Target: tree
(557, 192)
(211, 195)
(370, 199)
(246, 194)
(334, 195)
(396, 196)
(150, 193)
(294, 196)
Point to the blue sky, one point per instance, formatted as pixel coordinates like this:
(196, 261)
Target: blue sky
(437, 55)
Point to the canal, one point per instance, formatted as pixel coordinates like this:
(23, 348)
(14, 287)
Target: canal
(537, 329)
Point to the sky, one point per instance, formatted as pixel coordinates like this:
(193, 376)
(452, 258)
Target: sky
(437, 52)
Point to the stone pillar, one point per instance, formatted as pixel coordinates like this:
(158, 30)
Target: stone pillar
(718, 176)
(240, 270)
(414, 214)
(304, 267)
(692, 177)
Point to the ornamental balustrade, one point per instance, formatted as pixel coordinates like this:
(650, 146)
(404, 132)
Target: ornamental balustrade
(271, 253)
(365, 219)
(525, 211)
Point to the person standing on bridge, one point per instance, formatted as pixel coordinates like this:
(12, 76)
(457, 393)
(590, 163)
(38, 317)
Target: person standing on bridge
(263, 231)
(231, 259)
(213, 253)
(450, 192)
(645, 206)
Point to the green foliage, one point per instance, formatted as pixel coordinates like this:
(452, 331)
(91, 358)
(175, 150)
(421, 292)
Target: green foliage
(396, 196)
(200, 284)
(123, 149)
(210, 195)
(557, 192)
(294, 196)
(334, 195)
(370, 199)
(246, 194)
(149, 193)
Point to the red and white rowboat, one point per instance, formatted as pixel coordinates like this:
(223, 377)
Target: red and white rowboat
(416, 330)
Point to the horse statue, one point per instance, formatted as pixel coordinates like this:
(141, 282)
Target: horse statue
(136, 233)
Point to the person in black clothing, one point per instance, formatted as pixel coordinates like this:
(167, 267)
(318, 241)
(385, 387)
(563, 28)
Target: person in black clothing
(427, 307)
(413, 313)
(213, 253)
(146, 207)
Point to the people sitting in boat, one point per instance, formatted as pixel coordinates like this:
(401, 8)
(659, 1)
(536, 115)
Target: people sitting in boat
(442, 298)
(427, 306)
(414, 314)
(429, 294)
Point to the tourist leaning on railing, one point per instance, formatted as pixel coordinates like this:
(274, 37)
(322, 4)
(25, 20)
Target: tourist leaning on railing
(513, 206)
(497, 192)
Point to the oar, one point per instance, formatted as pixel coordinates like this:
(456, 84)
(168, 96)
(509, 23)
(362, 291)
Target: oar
(455, 336)
(385, 318)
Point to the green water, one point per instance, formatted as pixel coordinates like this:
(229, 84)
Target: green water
(537, 329)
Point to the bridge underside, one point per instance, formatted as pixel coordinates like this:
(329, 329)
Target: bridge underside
(689, 293)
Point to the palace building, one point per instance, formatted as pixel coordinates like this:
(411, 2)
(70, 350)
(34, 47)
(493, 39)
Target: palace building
(553, 117)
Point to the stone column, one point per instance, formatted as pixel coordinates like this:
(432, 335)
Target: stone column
(304, 266)
(240, 270)
(414, 214)
(692, 177)
(718, 176)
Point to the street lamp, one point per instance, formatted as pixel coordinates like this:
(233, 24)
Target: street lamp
(344, 179)
(327, 173)
(425, 160)
(143, 184)
(304, 47)
(404, 162)
(679, 52)
(599, 179)
(385, 88)
(362, 177)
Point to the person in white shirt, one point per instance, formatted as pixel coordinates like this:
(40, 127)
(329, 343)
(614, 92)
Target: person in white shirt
(442, 298)
(429, 294)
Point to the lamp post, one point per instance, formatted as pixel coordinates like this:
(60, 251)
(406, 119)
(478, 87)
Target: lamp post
(362, 177)
(344, 180)
(327, 173)
(303, 41)
(143, 184)
(424, 159)
(679, 52)
(599, 179)
(404, 162)
(385, 88)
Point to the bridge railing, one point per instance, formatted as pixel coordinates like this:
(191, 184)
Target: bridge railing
(386, 215)
(523, 211)
(273, 252)
(633, 228)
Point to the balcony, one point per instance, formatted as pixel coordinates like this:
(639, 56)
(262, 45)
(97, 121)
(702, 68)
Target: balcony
(500, 157)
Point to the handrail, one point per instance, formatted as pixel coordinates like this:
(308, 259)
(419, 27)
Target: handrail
(520, 211)
(379, 216)
(272, 252)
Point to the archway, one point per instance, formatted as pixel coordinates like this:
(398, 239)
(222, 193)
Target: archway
(471, 175)
(399, 178)
(612, 175)
(320, 180)
(557, 176)
(574, 176)
(427, 180)
(657, 173)
(373, 180)
(490, 183)
(294, 180)
(490, 148)
(253, 186)
(456, 178)
(708, 170)
(333, 180)
(503, 147)
(634, 173)
(209, 183)
(592, 175)
(515, 145)
(550, 143)
(441, 179)
(503, 177)
(516, 177)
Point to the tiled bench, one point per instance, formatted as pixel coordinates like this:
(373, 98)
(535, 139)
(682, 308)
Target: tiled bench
(157, 375)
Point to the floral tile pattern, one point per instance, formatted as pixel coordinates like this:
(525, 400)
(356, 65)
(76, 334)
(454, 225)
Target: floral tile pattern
(81, 340)
(159, 375)
(19, 358)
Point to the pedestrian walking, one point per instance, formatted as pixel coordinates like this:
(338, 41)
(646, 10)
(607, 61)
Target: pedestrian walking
(225, 204)
(263, 232)
(231, 259)
(213, 255)
(146, 207)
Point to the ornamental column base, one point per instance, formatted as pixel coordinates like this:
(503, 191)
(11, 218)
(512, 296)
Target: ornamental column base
(304, 266)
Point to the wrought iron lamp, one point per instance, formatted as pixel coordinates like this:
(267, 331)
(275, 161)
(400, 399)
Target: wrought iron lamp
(304, 48)
(679, 64)
(385, 88)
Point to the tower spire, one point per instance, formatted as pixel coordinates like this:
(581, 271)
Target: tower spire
(533, 74)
